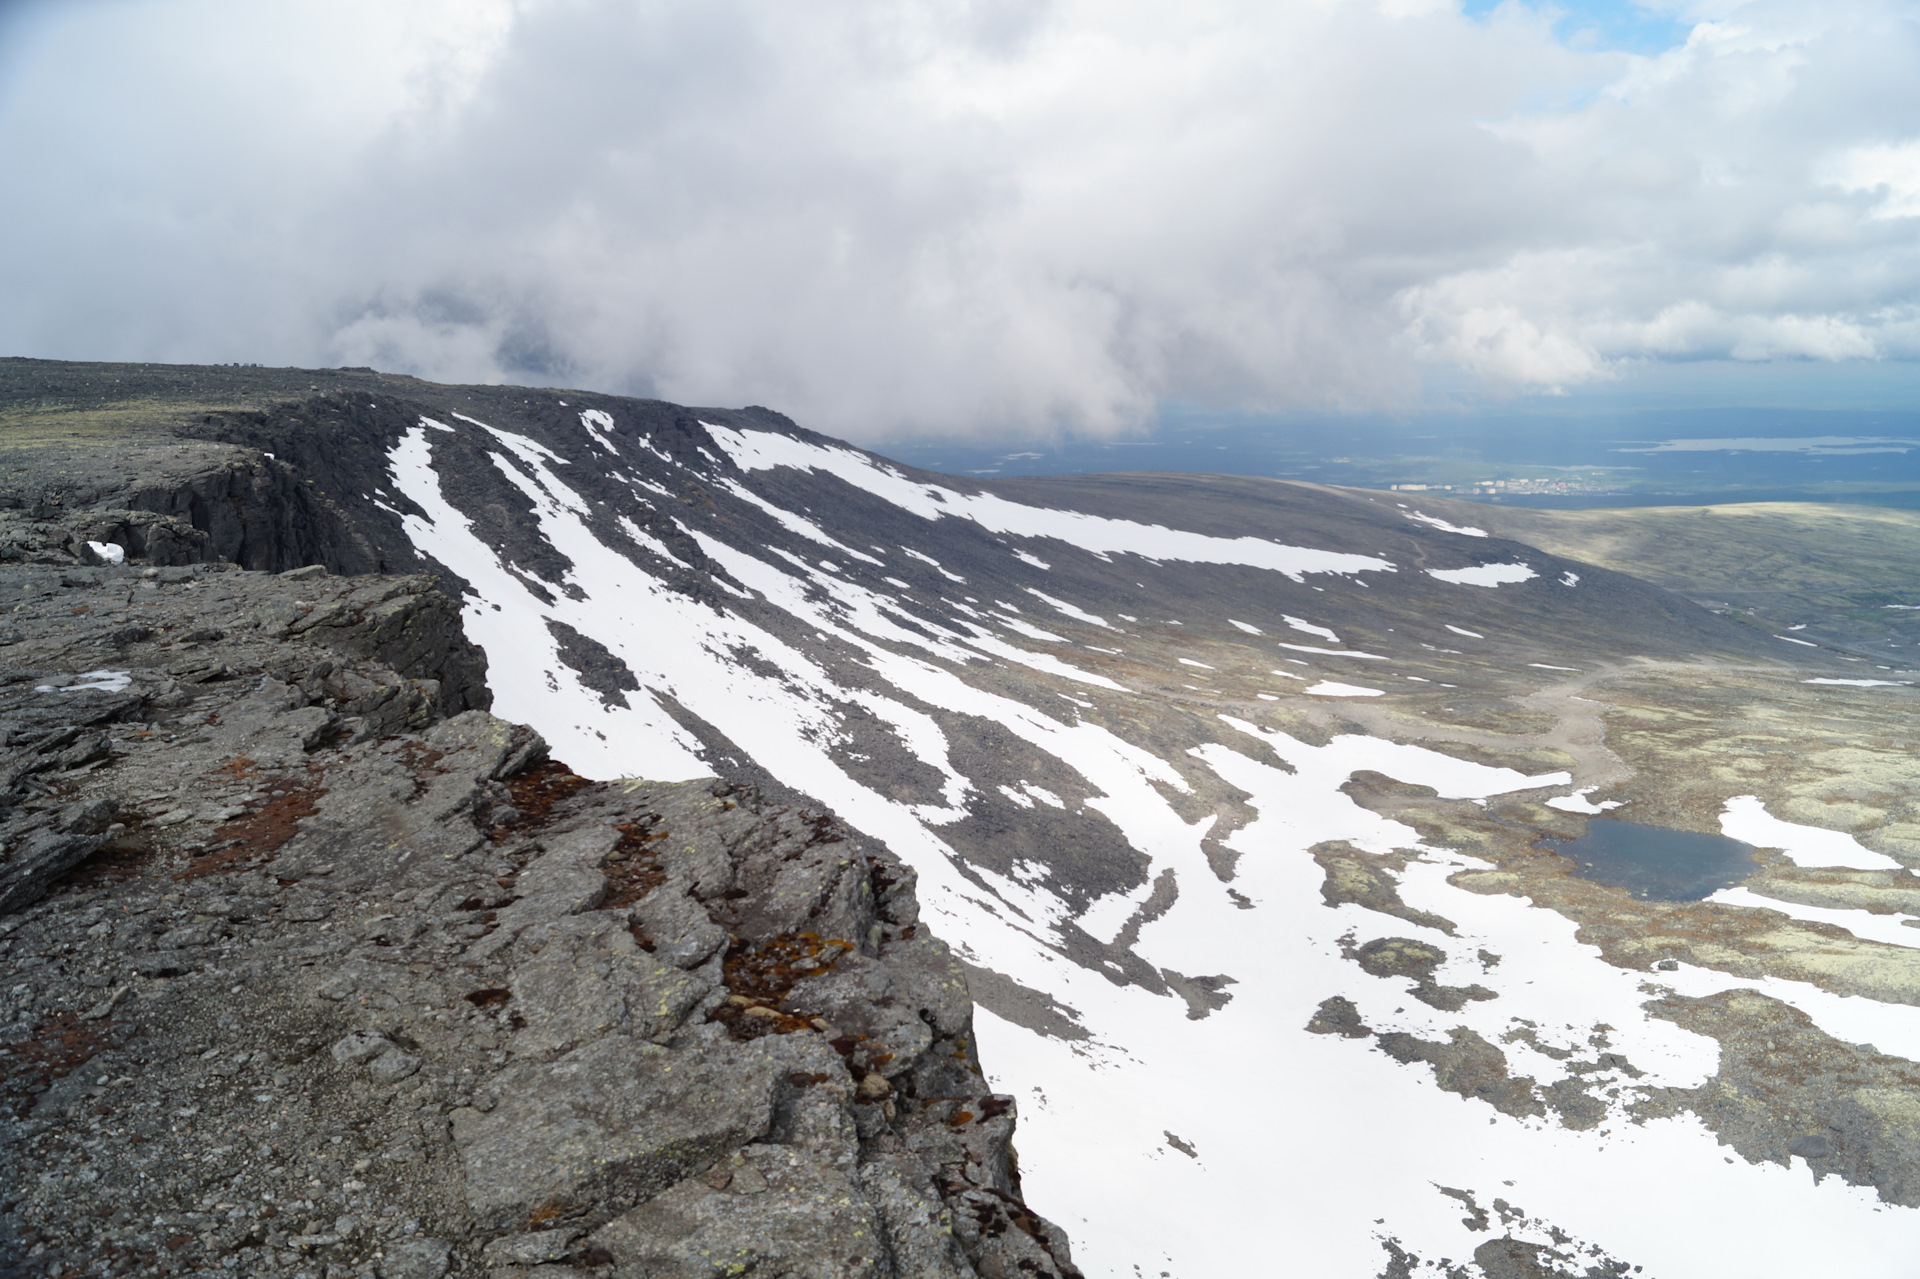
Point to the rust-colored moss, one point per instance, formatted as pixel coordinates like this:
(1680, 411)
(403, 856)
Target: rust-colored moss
(535, 791)
(250, 839)
(759, 978)
(56, 1048)
(632, 868)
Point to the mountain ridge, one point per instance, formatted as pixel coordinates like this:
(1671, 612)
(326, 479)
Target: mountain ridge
(1198, 774)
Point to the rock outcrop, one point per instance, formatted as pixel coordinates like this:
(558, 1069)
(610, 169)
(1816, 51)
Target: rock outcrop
(315, 967)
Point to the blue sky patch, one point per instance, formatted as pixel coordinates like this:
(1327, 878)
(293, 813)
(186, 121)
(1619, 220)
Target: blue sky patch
(1606, 24)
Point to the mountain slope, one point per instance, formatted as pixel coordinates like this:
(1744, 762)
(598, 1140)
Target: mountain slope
(1848, 576)
(1230, 793)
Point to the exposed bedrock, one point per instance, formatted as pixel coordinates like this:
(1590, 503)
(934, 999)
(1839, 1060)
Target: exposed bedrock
(315, 967)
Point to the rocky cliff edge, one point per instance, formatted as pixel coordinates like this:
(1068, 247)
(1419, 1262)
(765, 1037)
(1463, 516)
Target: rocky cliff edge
(313, 967)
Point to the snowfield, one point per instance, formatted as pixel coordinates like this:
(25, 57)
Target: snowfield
(1234, 1143)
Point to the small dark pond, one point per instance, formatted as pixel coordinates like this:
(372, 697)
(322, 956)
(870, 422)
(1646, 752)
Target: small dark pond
(1653, 862)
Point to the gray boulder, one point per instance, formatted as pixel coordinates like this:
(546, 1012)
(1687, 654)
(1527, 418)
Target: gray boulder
(608, 1125)
(766, 1210)
(590, 978)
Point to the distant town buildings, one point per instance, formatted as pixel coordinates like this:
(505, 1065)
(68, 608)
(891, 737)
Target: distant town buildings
(1485, 488)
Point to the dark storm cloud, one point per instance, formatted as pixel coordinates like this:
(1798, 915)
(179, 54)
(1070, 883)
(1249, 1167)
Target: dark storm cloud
(1008, 216)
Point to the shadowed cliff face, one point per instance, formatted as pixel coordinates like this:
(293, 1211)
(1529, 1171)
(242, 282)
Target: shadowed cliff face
(1220, 788)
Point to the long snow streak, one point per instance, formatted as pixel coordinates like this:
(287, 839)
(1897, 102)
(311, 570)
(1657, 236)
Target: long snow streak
(1167, 1144)
(762, 450)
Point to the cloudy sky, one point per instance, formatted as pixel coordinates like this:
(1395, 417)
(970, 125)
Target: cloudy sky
(987, 217)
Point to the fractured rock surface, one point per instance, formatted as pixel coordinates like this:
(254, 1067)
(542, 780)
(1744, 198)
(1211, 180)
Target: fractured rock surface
(315, 967)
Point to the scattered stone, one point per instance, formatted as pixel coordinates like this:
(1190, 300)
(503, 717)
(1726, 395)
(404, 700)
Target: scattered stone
(417, 1259)
(392, 1066)
(361, 1046)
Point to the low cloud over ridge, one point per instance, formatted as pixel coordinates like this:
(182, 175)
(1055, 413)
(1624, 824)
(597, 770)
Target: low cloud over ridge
(993, 216)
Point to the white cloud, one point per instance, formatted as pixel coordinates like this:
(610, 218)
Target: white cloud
(997, 215)
(1890, 171)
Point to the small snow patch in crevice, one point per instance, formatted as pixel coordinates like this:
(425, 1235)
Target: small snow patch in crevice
(1802, 643)
(1248, 627)
(102, 681)
(1544, 667)
(1569, 578)
(1461, 630)
(1034, 560)
(1188, 661)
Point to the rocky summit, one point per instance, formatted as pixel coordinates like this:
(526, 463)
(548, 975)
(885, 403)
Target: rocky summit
(316, 968)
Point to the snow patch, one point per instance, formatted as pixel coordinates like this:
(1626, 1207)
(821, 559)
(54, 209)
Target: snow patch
(1860, 683)
(793, 523)
(1747, 820)
(1443, 526)
(1078, 614)
(97, 681)
(1300, 625)
(910, 553)
(599, 426)
(1334, 652)
(761, 450)
(1579, 803)
(1885, 929)
(1484, 574)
